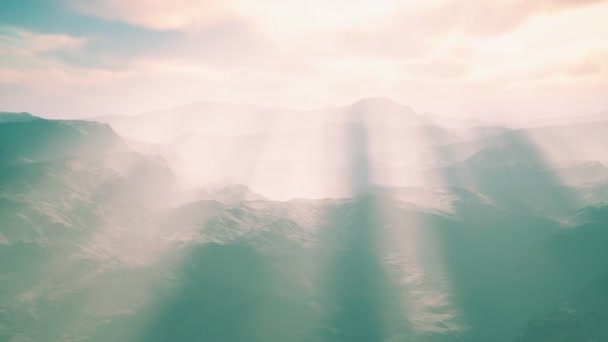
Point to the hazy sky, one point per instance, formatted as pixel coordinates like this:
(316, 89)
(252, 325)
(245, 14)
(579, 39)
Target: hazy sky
(489, 59)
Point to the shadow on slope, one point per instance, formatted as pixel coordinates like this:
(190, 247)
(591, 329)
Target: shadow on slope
(494, 246)
(362, 303)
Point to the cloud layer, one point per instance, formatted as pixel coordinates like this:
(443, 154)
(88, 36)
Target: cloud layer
(461, 58)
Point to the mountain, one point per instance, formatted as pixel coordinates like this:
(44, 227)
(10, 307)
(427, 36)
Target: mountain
(383, 111)
(207, 117)
(579, 318)
(218, 144)
(568, 120)
(438, 233)
(70, 213)
(16, 117)
(218, 118)
(582, 314)
(51, 139)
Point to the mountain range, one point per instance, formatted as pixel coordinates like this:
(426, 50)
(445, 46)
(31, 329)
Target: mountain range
(368, 222)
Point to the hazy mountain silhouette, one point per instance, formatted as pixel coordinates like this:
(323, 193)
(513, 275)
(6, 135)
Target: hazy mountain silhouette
(222, 117)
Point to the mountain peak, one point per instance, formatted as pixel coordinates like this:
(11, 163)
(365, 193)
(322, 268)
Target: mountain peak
(384, 109)
(376, 102)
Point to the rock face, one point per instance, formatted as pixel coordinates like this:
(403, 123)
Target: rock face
(498, 242)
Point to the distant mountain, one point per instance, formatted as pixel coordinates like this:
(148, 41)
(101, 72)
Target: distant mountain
(383, 111)
(217, 144)
(581, 141)
(208, 117)
(568, 120)
(550, 169)
(240, 119)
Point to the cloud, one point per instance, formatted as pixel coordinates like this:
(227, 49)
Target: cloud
(15, 40)
(584, 69)
(157, 14)
(487, 18)
(455, 57)
(436, 69)
(474, 16)
(286, 16)
(23, 52)
(223, 45)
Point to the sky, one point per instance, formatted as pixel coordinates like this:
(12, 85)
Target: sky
(457, 58)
